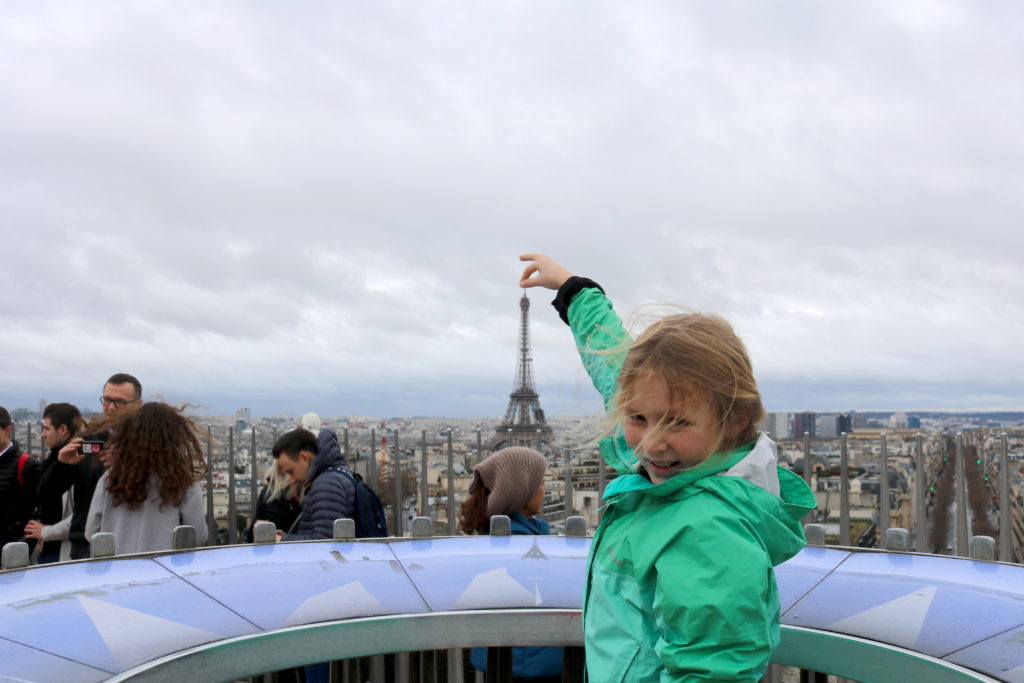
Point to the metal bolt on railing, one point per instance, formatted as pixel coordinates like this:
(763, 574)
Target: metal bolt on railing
(815, 534)
(183, 537)
(896, 539)
(501, 525)
(102, 544)
(264, 532)
(983, 548)
(344, 529)
(575, 526)
(422, 527)
(15, 555)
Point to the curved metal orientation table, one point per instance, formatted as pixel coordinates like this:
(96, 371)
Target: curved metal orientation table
(222, 613)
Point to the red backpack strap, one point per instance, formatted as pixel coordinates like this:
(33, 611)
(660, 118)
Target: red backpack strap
(22, 459)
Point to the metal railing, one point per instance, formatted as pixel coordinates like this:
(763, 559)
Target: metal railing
(942, 487)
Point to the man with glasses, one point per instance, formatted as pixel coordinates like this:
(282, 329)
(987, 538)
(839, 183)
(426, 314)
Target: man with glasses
(122, 392)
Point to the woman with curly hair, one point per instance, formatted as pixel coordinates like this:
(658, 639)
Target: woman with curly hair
(154, 461)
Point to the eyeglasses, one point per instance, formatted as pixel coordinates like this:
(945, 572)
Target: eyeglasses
(118, 402)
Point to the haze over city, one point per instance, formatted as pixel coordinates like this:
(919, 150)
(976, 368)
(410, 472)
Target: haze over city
(320, 206)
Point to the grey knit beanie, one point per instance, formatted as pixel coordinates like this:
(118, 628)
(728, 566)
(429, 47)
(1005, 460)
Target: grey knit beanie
(512, 475)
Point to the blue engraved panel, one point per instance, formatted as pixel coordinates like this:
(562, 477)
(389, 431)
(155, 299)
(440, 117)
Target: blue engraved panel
(488, 572)
(111, 614)
(21, 663)
(288, 584)
(1001, 657)
(934, 605)
(805, 570)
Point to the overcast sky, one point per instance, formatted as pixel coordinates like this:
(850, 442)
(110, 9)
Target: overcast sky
(319, 205)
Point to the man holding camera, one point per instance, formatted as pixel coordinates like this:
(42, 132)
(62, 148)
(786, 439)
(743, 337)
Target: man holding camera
(19, 475)
(52, 519)
(81, 467)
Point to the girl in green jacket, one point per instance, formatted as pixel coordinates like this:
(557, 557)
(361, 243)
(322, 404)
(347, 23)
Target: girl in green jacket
(680, 584)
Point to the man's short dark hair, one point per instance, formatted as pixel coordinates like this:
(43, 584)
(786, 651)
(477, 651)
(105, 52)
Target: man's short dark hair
(293, 442)
(5, 418)
(125, 378)
(63, 415)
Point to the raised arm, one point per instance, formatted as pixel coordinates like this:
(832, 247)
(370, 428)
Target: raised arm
(600, 337)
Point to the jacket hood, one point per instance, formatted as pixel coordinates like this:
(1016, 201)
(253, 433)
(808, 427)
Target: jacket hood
(772, 499)
(328, 453)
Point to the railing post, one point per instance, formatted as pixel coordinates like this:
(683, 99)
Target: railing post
(455, 671)
(424, 467)
(1005, 534)
(232, 510)
(921, 499)
(211, 522)
(883, 490)
(254, 474)
(374, 476)
(567, 474)
(962, 532)
(479, 448)
(344, 444)
(811, 516)
(844, 491)
(396, 485)
(451, 487)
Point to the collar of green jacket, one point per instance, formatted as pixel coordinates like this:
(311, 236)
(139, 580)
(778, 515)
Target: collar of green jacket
(718, 462)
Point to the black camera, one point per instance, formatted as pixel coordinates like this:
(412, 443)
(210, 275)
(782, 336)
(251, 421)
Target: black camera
(90, 447)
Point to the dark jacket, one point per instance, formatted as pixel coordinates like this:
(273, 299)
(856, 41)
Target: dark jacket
(49, 508)
(17, 500)
(330, 495)
(282, 511)
(57, 479)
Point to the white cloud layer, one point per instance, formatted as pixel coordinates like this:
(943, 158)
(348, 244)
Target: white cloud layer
(319, 206)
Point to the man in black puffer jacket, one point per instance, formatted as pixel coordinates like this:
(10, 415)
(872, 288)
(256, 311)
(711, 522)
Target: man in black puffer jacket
(19, 475)
(330, 494)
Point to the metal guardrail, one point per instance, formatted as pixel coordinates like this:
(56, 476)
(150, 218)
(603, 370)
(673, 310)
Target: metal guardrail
(865, 615)
(930, 486)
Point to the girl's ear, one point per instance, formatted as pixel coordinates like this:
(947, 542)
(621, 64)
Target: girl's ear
(739, 423)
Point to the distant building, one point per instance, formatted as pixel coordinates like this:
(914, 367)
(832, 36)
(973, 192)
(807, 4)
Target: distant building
(913, 422)
(804, 422)
(776, 424)
(828, 426)
(844, 423)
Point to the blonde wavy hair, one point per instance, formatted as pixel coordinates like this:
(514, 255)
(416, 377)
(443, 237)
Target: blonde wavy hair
(697, 356)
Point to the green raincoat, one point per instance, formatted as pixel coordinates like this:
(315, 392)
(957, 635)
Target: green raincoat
(680, 584)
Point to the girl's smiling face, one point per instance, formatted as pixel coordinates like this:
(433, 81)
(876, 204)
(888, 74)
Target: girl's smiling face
(668, 437)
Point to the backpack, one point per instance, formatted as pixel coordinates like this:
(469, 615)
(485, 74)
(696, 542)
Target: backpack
(22, 459)
(370, 519)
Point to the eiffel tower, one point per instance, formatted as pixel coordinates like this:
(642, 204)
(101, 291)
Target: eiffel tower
(524, 423)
